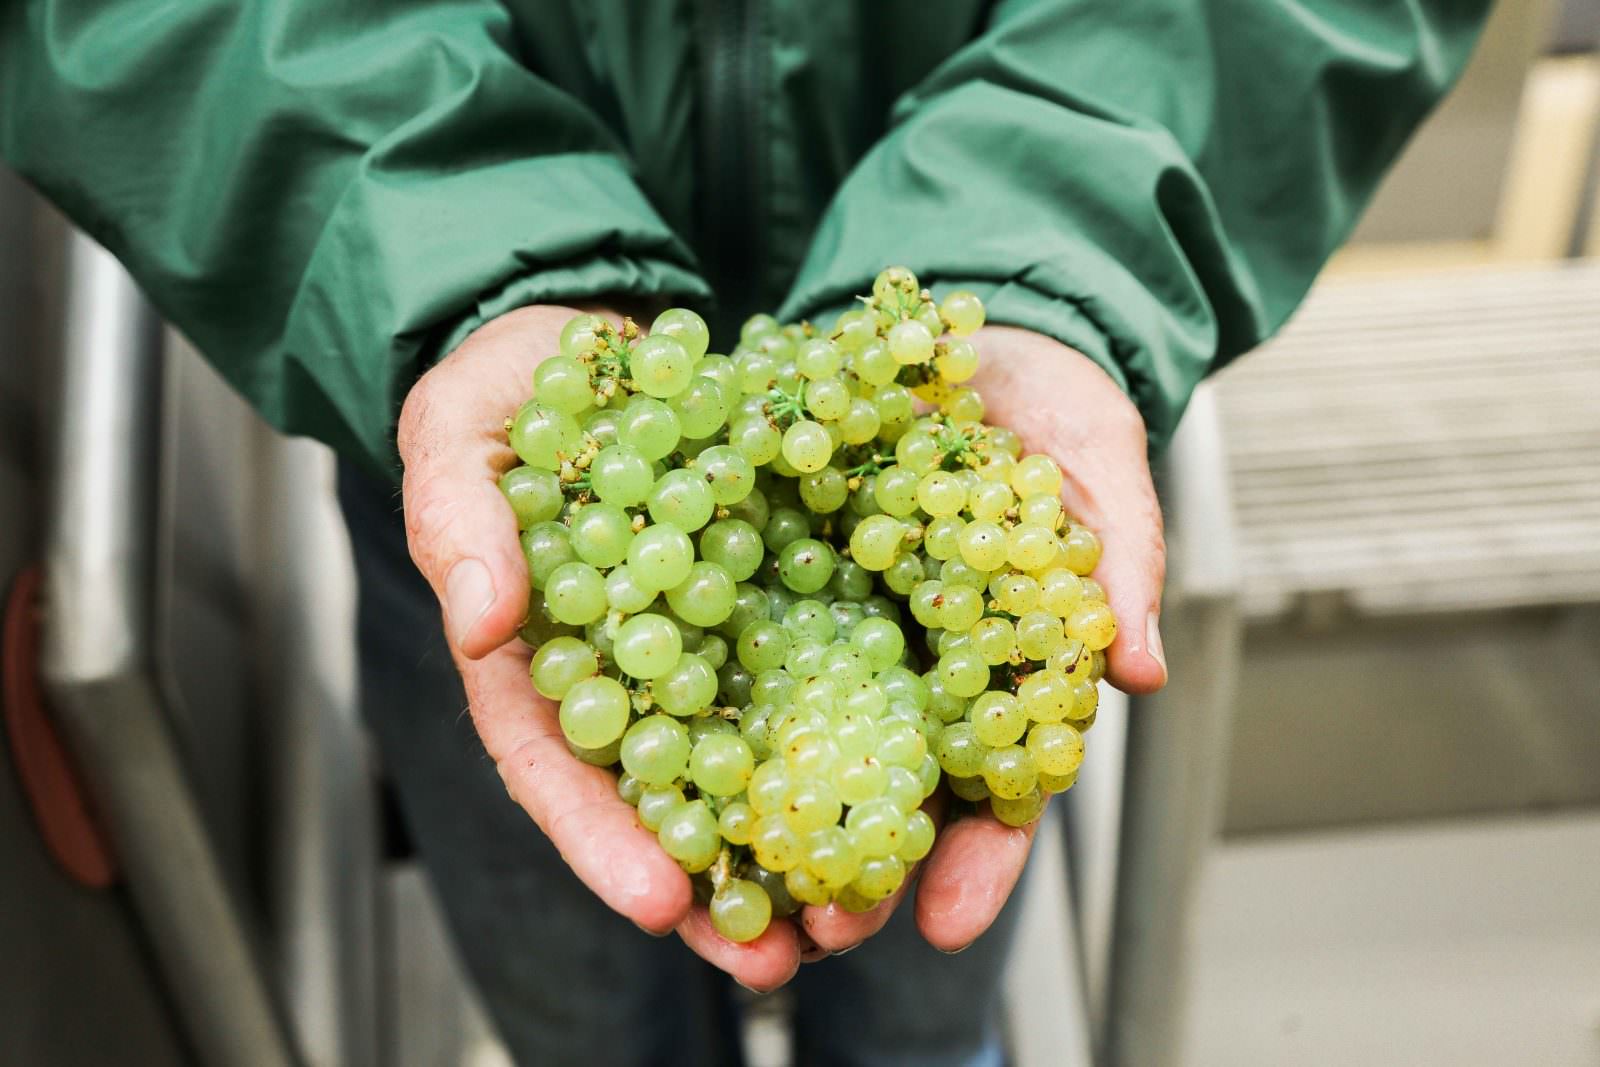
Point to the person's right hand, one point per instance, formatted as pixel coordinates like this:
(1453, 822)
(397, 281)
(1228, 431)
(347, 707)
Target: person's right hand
(463, 538)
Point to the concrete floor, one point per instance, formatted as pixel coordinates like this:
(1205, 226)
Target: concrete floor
(1457, 943)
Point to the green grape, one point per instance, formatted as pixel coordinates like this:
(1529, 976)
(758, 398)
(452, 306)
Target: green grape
(688, 688)
(969, 789)
(1060, 592)
(575, 593)
(655, 801)
(718, 368)
(1016, 594)
(942, 538)
(963, 406)
(779, 346)
(1030, 547)
(941, 493)
(1085, 701)
(880, 878)
(880, 640)
(772, 883)
(1009, 772)
(927, 313)
(1040, 509)
(1039, 635)
(926, 602)
(962, 608)
(807, 446)
(818, 358)
(901, 744)
(824, 491)
(542, 437)
(733, 685)
(806, 887)
(655, 749)
(763, 646)
(858, 779)
(688, 834)
(876, 541)
(962, 312)
(647, 646)
(1056, 783)
(662, 366)
(1037, 473)
(830, 856)
(928, 772)
(853, 330)
(1081, 550)
(756, 438)
(756, 329)
(851, 581)
(990, 500)
(735, 822)
(910, 342)
(624, 594)
(995, 639)
(959, 751)
(682, 498)
(604, 425)
(1057, 748)
(877, 827)
(767, 788)
(594, 712)
(1093, 624)
(845, 665)
(903, 789)
(804, 657)
(875, 365)
(601, 534)
(650, 427)
(1071, 659)
(957, 361)
(959, 572)
(621, 475)
(919, 837)
(998, 719)
(903, 575)
(545, 546)
(629, 788)
(562, 383)
(1046, 696)
(900, 685)
(983, 546)
(810, 619)
(775, 844)
(810, 804)
(757, 371)
(534, 495)
(895, 490)
(581, 335)
(1019, 811)
(828, 399)
(687, 328)
(810, 753)
(560, 664)
(805, 565)
(706, 597)
(721, 765)
(860, 422)
(785, 526)
(734, 545)
(896, 409)
(728, 472)
(660, 557)
(918, 452)
(703, 407)
(845, 615)
(704, 726)
(750, 603)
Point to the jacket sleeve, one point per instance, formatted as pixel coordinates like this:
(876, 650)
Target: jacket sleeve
(323, 196)
(1154, 182)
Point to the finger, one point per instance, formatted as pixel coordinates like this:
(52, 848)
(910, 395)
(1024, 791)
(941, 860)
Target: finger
(575, 804)
(462, 533)
(968, 877)
(761, 965)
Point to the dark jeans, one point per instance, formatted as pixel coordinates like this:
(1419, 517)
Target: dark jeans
(566, 980)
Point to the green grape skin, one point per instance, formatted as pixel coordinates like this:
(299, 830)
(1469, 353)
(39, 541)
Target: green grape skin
(621, 475)
(575, 593)
(846, 666)
(928, 314)
(534, 495)
(650, 427)
(687, 328)
(655, 750)
(703, 407)
(1050, 784)
(880, 877)
(545, 546)
(970, 789)
(728, 472)
(704, 726)
(688, 833)
(807, 446)
(1017, 594)
(919, 836)
(784, 526)
(876, 542)
(682, 498)
(542, 436)
(809, 805)
(852, 901)
(721, 765)
(1085, 702)
(604, 425)
(990, 500)
(756, 439)
(818, 358)
(827, 399)
(850, 581)
(910, 342)
(995, 639)
(927, 602)
(1047, 696)
(1040, 509)
(768, 785)
(961, 609)
(560, 664)
(1057, 748)
(960, 752)
(581, 335)
(734, 545)
(809, 618)
(998, 719)
(763, 646)
(895, 490)
(647, 646)
(962, 312)
(963, 406)
(660, 557)
(594, 712)
(1018, 811)
(902, 788)
(662, 366)
(941, 494)
(741, 910)
(804, 657)
(1060, 592)
(600, 534)
(629, 788)
(900, 685)
(831, 857)
(877, 827)
(1093, 624)
(983, 546)
(624, 594)
(1010, 772)
(735, 823)
(942, 538)
(860, 422)
(881, 641)
(806, 887)
(1036, 474)
(824, 491)
(902, 745)
(805, 565)
(706, 597)
(963, 672)
(750, 604)
(956, 361)
(775, 844)
(875, 365)
(655, 801)
(688, 688)
(959, 572)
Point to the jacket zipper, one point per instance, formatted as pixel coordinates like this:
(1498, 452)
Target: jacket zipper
(731, 67)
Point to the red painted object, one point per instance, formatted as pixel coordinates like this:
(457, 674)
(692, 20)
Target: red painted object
(49, 779)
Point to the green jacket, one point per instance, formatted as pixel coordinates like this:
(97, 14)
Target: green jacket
(326, 196)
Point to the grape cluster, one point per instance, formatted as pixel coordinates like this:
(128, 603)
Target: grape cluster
(788, 591)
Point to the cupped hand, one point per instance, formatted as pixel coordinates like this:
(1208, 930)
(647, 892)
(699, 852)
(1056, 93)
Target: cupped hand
(463, 538)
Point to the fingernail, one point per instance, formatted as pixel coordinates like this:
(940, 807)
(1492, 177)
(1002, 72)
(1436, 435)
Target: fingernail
(850, 948)
(468, 594)
(651, 932)
(956, 951)
(1152, 640)
(748, 989)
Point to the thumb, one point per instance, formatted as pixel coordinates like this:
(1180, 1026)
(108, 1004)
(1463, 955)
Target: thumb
(461, 531)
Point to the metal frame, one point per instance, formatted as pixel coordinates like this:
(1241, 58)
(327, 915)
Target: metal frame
(100, 667)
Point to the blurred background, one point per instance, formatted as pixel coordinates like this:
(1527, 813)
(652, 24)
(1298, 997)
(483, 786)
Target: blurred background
(1362, 825)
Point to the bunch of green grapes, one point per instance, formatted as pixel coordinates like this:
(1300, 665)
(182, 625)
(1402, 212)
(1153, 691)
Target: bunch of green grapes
(784, 601)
